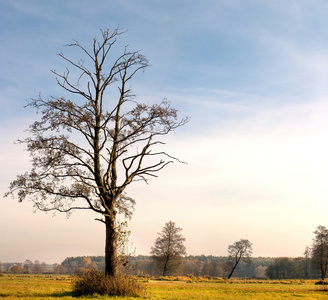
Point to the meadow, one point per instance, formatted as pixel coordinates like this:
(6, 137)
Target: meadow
(59, 287)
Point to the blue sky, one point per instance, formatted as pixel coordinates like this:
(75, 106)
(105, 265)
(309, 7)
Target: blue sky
(253, 77)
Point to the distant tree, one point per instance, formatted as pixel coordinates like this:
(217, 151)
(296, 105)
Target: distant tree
(59, 269)
(197, 266)
(27, 266)
(93, 266)
(168, 249)
(307, 256)
(320, 250)
(37, 268)
(87, 149)
(188, 266)
(28, 262)
(239, 251)
(143, 265)
(16, 269)
(27, 269)
(86, 262)
(208, 268)
(260, 271)
(71, 264)
(218, 270)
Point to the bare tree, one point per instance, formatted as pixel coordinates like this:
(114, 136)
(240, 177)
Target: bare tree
(241, 250)
(320, 250)
(168, 248)
(87, 149)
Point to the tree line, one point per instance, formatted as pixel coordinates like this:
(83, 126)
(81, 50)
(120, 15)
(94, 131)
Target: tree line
(30, 267)
(168, 259)
(200, 265)
(213, 266)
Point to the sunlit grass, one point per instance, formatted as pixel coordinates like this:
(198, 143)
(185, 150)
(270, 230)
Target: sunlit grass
(35, 287)
(59, 287)
(235, 290)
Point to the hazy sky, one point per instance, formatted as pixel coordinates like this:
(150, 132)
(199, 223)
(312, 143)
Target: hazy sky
(253, 77)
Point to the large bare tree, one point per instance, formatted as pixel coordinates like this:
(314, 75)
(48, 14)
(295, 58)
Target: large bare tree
(87, 149)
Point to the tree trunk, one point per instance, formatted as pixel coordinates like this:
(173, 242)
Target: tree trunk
(165, 265)
(110, 247)
(233, 268)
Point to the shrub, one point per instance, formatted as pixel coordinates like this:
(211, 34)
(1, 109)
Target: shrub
(95, 282)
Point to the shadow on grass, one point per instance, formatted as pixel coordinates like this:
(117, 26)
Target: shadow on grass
(40, 295)
(60, 294)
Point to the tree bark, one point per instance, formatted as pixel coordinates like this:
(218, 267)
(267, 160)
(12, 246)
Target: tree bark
(110, 247)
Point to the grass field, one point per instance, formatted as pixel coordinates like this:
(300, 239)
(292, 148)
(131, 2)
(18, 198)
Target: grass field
(59, 287)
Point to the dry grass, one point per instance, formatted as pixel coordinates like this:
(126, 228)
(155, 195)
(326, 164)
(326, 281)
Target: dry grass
(35, 287)
(54, 287)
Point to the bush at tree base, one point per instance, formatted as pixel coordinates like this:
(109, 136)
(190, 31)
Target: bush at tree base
(95, 282)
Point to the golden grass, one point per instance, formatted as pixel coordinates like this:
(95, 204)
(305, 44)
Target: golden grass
(35, 287)
(235, 290)
(59, 287)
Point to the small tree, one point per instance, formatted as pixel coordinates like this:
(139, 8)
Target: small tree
(16, 269)
(125, 250)
(87, 149)
(168, 249)
(241, 250)
(320, 250)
